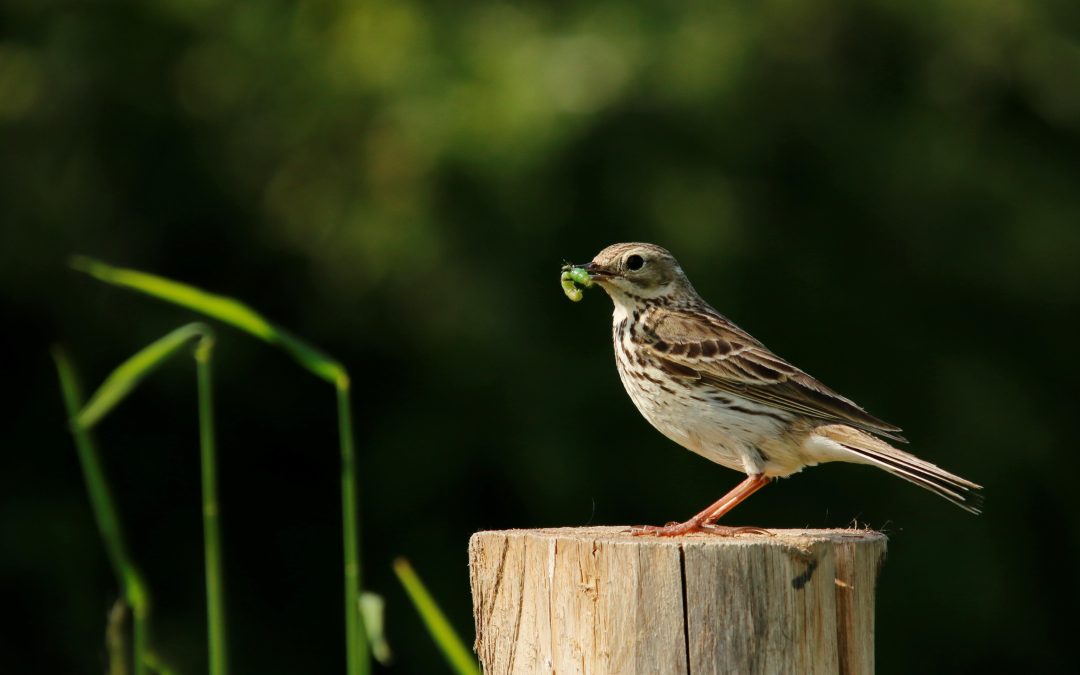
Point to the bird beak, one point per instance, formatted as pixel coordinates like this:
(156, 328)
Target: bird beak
(595, 271)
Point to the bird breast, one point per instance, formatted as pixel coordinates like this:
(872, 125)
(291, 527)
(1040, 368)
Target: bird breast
(721, 427)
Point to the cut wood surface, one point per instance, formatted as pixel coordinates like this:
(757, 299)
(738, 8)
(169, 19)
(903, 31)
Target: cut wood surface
(600, 600)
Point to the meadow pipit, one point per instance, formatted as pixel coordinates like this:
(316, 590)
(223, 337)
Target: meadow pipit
(712, 388)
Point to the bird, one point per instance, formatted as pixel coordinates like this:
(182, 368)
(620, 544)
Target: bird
(714, 389)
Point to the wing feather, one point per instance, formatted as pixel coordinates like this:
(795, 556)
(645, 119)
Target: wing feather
(706, 346)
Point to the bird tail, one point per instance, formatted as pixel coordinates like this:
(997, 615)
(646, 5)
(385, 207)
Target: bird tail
(867, 449)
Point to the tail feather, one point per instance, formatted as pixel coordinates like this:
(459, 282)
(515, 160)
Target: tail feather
(876, 452)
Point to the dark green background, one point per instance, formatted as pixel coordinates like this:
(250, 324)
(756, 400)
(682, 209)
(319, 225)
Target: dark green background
(886, 193)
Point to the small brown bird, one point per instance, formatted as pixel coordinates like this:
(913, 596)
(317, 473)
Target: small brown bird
(712, 388)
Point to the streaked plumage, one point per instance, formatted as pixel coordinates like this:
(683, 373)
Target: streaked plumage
(713, 388)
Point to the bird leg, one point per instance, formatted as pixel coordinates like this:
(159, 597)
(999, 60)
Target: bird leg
(706, 520)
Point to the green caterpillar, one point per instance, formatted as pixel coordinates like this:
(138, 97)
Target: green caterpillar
(571, 279)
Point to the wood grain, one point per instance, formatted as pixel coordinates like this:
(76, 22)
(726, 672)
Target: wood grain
(599, 600)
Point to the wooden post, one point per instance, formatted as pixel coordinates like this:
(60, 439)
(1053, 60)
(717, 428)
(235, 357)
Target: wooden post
(599, 600)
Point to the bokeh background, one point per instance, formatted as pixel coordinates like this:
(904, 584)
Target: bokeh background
(886, 193)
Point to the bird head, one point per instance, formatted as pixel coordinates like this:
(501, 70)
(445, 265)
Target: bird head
(634, 272)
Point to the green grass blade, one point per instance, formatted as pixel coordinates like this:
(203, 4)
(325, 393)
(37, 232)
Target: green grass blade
(128, 577)
(459, 656)
(142, 638)
(156, 665)
(356, 645)
(239, 315)
(128, 374)
(215, 595)
(220, 307)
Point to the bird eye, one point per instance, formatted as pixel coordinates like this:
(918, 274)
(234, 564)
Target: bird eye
(635, 262)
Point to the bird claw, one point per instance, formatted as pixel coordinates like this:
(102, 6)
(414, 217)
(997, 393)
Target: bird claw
(669, 530)
(676, 529)
(728, 531)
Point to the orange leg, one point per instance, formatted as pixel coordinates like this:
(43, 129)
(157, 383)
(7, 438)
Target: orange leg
(706, 520)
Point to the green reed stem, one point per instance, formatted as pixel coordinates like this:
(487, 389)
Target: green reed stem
(356, 645)
(215, 599)
(127, 575)
(459, 656)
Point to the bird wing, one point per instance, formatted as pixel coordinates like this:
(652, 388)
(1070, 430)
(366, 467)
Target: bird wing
(705, 346)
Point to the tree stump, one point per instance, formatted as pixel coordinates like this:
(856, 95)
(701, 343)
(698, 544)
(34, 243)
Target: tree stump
(600, 600)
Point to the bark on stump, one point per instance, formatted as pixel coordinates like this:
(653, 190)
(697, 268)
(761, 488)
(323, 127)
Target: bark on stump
(599, 600)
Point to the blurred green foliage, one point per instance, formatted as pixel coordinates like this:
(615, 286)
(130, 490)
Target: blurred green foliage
(883, 192)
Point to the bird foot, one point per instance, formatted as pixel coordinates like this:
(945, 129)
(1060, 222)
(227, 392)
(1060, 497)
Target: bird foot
(728, 531)
(692, 526)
